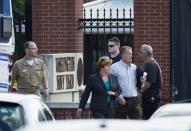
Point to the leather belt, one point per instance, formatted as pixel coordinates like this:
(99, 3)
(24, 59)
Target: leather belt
(130, 98)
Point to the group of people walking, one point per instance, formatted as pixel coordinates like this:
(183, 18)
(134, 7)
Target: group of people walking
(121, 89)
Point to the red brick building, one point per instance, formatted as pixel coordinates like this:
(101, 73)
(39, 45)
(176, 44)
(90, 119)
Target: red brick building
(55, 25)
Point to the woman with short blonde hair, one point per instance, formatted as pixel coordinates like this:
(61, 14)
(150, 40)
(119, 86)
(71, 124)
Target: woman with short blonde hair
(104, 87)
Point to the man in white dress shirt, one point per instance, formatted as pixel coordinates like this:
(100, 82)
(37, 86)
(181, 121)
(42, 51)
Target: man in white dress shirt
(128, 104)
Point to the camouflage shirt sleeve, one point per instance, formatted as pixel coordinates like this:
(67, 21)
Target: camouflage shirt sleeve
(45, 71)
(14, 73)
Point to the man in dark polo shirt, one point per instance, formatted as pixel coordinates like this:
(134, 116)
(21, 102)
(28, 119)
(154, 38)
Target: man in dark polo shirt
(151, 82)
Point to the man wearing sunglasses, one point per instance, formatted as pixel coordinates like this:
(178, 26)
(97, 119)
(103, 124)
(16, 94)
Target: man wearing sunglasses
(113, 49)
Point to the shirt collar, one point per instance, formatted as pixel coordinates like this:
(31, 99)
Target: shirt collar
(124, 64)
(25, 62)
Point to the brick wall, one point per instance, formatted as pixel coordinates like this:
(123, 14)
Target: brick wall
(55, 25)
(63, 110)
(152, 26)
(69, 113)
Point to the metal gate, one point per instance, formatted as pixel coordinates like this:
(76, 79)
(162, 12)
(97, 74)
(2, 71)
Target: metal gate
(181, 50)
(99, 26)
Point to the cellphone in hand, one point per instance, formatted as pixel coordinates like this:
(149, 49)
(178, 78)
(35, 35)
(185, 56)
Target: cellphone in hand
(145, 75)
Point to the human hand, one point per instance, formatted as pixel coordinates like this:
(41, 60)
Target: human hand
(144, 77)
(46, 92)
(143, 80)
(111, 93)
(121, 100)
(12, 89)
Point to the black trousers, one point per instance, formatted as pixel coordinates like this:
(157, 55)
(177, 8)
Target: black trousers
(131, 110)
(107, 113)
(149, 106)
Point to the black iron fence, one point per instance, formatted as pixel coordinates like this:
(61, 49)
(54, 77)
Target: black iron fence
(99, 26)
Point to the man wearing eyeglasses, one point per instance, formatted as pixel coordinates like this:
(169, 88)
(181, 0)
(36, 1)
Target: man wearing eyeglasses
(29, 72)
(113, 49)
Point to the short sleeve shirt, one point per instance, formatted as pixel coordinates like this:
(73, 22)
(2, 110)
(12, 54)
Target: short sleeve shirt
(154, 76)
(29, 76)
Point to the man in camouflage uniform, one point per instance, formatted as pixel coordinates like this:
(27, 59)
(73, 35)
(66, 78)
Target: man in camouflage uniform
(29, 72)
